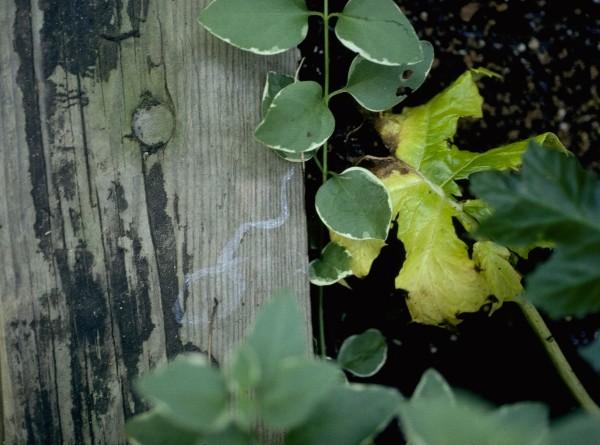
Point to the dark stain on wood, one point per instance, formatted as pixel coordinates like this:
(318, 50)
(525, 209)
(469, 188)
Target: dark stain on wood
(163, 239)
(26, 79)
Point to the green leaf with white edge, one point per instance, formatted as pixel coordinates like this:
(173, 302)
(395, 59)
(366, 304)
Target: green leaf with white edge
(368, 26)
(297, 157)
(363, 355)
(355, 204)
(377, 87)
(189, 393)
(591, 354)
(435, 415)
(296, 388)
(279, 333)
(493, 261)
(243, 372)
(298, 120)
(274, 84)
(336, 421)
(333, 265)
(580, 429)
(260, 26)
(362, 252)
(555, 199)
(152, 428)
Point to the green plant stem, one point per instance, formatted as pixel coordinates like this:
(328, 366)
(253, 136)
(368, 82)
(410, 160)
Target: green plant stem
(558, 358)
(324, 168)
(322, 344)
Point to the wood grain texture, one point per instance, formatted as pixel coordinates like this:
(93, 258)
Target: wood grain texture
(117, 255)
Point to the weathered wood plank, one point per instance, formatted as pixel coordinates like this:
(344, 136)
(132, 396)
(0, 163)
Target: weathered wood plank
(119, 251)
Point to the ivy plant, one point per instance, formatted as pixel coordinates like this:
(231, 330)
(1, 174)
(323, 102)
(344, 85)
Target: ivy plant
(270, 381)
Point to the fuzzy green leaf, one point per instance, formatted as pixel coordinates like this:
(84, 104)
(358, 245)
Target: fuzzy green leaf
(152, 428)
(258, 26)
(552, 199)
(365, 354)
(333, 265)
(580, 429)
(278, 334)
(243, 373)
(349, 415)
(378, 87)
(189, 393)
(368, 26)
(297, 120)
(295, 389)
(274, 84)
(355, 204)
(437, 416)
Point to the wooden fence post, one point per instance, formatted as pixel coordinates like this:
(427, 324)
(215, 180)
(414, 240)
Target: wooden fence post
(138, 217)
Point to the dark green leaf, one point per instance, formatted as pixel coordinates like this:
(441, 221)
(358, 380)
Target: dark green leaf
(259, 26)
(379, 32)
(299, 384)
(349, 415)
(189, 393)
(355, 204)
(333, 265)
(553, 199)
(152, 428)
(297, 120)
(274, 84)
(363, 355)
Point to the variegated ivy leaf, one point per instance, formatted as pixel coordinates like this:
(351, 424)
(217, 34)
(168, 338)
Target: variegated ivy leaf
(298, 120)
(364, 354)
(333, 265)
(355, 204)
(379, 32)
(259, 26)
(274, 84)
(379, 87)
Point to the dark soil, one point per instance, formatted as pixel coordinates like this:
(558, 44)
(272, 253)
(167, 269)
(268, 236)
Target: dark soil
(548, 53)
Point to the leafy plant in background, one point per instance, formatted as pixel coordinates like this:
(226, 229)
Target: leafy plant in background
(297, 121)
(271, 381)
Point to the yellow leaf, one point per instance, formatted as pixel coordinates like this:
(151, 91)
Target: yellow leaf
(503, 280)
(362, 252)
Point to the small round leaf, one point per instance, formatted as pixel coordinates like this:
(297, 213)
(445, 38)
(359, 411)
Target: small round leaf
(334, 264)
(355, 204)
(379, 31)
(297, 120)
(365, 354)
(258, 26)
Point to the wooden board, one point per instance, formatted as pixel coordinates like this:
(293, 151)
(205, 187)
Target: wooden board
(124, 244)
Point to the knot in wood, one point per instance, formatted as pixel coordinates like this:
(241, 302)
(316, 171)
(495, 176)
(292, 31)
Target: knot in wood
(153, 125)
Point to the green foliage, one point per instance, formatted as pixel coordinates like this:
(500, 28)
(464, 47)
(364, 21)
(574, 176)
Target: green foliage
(259, 26)
(368, 26)
(333, 265)
(437, 415)
(552, 199)
(355, 204)
(270, 381)
(591, 353)
(363, 355)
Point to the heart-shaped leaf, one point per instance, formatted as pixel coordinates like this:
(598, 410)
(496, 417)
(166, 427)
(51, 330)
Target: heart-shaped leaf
(298, 120)
(380, 87)
(365, 354)
(333, 265)
(274, 84)
(355, 204)
(259, 26)
(379, 32)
